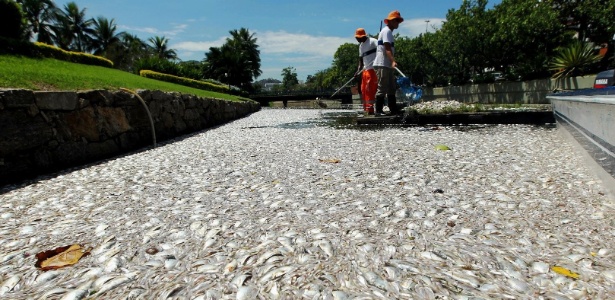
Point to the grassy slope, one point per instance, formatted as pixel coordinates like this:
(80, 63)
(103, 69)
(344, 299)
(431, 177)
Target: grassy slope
(56, 75)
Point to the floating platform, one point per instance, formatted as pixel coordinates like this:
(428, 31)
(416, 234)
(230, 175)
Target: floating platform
(464, 118)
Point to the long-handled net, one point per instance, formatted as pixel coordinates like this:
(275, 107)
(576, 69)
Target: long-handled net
(408, 93)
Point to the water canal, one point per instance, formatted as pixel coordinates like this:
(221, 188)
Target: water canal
(289, 204)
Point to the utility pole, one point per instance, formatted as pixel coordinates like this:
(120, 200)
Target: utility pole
(426, 24)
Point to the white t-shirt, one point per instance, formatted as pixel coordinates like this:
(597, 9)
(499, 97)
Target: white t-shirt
(385, 36)
(367, 51)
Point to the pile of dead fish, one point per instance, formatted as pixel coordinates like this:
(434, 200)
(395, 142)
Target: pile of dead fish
(258, 209)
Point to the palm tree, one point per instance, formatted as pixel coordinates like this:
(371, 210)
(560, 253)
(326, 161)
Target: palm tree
(237, 62)
(104, 35)
(214, 65)
(160, 48)
(75, 29)
(130, 50)
(244, 42)
(573, 60)
(41, 16)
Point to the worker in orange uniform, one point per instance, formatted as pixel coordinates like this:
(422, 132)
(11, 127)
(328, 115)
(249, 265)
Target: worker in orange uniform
(369, 83)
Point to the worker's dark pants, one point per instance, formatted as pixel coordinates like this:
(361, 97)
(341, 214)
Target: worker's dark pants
(386, 88)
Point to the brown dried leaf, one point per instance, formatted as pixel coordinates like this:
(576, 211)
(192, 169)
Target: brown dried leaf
(332, 160)
(60, 257)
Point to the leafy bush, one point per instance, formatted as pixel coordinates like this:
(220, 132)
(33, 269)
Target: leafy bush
(157, 65)
(186, 69)
(12, 22)
(574, 60)
(190, 69)
(41, 50)
(184, 81)
(76, 57)
(199, 84)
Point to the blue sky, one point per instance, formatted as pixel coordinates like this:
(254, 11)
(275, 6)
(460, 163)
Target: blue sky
(300, 34)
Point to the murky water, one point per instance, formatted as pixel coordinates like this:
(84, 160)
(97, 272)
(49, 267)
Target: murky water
(347, 119)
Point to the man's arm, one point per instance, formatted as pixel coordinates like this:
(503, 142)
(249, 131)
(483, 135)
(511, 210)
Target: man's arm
(360, 68)
(389, 53)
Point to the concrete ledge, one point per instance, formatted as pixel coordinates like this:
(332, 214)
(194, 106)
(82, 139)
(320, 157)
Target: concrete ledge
(56, 100)
(588, 122)
(16, 98)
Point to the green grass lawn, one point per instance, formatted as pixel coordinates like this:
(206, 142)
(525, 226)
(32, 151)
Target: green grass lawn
(57, 75)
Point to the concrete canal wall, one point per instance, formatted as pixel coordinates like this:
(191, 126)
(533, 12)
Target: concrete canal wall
(42, 132)
(589, 121)
(526, 92)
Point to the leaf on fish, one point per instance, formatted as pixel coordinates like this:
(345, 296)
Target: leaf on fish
(565, 272)
(330, 160)
(60, 257)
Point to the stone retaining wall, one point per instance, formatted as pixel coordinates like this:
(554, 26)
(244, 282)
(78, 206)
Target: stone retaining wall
(41, 132)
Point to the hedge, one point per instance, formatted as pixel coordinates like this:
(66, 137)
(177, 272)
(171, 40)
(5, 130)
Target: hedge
(185, 81)
(41, 50)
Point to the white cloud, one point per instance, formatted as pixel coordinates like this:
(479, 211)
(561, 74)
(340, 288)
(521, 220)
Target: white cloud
(278, 43)
(198, 46)
(414, 27)
(177, 29)
(306, 53)
(282, 42)
(279, 49)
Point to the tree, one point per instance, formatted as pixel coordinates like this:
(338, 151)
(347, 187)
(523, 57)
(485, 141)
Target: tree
(129, 51)
(191, 69)
(525, 37)
(160, 47)
(75, 30)
(345, 62)
(289, 78)
(228, 66)
(414, 57)
(322, 80)
(237, 62)
(12, 24)
(245, 42)
(465, 39)
(591, 19)
(40, 15)
(104, 36)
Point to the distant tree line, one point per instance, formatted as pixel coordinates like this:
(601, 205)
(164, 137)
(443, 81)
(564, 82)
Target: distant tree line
(522, 39)
(236, 63)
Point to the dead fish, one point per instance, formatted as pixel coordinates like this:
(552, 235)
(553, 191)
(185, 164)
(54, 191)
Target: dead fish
(275, 273)
(107, 244)
(240, 279)
(11, 255)
(55, 291)
(111, 284)
(80, 292)
(246, 292)
(267, 255)
(326, 246)
(9, 284)
(230, 267)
